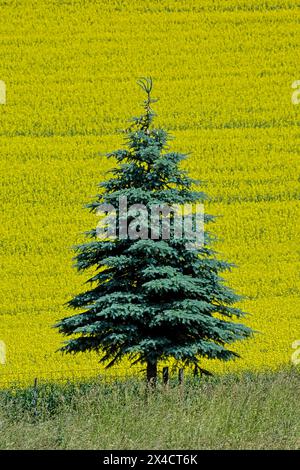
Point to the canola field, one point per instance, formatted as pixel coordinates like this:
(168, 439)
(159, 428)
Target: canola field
(223, 71)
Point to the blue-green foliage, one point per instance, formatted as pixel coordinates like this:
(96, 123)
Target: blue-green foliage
(152, 299)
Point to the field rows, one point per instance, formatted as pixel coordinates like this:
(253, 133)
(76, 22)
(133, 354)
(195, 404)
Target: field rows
(223, 72)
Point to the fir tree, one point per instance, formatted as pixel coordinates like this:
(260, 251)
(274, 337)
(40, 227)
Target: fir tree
(152, 300)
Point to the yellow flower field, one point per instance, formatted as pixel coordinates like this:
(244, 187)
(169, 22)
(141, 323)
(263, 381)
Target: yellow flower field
(223, 71)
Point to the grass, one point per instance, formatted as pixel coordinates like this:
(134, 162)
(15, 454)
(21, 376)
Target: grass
(248, 411)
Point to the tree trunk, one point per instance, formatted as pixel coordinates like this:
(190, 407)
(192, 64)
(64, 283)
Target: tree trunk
(152, 373)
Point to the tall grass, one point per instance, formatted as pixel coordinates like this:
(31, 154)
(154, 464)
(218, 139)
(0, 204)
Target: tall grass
(231, 412)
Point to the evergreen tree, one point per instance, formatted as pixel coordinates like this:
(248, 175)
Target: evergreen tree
(151, 300)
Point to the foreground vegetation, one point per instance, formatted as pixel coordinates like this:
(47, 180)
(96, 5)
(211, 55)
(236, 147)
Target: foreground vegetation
(230, 412)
